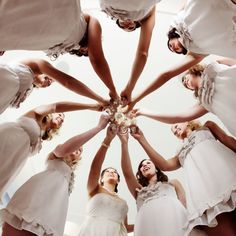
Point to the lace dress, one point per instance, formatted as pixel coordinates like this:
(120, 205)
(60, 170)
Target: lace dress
(55, 26)
(210, 173)
(105, 216)
(40, 205)
(159, 212)
(217, 93)
(18, 141)
(128, 10)
(208, 27)
(15, 84)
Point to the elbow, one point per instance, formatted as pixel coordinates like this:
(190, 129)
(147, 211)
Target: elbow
(143, 55)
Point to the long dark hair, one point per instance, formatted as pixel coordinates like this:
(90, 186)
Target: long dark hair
(144, 181)
(102, 173)
(173, 34)
(137, 25)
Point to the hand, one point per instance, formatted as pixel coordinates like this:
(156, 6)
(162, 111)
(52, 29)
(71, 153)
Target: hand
(135, 112)
(103, 121)
(138, 134)
(114, 95)
(111, 133)
(125, 97)
(1, 53)
(123, 137)
(97, 107)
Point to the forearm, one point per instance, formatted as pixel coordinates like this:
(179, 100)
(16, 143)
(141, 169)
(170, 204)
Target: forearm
(139, 63)
(157, 159)
(125, 160)
(76, 142)
(73, 106)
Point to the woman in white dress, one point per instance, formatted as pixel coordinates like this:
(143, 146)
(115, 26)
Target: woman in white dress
(160, 202)
(23, 138)
(214, 87)
(130, 16)
(106, 211)
(209, 165)
(56, 27)
(39, 206)
(202, 28)
(19, 78)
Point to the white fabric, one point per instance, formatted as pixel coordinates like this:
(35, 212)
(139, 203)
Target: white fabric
(217, 93)
(15, 83)
(40, 25)
(210, 174)
(40, 205)
(211, 26)
(18, 141)
(159, 212)
(105, 216)
(134, 10)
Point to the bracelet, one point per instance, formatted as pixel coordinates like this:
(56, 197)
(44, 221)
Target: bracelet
(105, 145)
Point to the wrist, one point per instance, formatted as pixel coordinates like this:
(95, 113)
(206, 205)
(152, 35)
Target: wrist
(107, 141)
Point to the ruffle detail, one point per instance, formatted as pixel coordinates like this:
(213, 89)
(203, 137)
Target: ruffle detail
(207, 212)
(207, 89)
(194, 138)
(182, 30)
(16, 220)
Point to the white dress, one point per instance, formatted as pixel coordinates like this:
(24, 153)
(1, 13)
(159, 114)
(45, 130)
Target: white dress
(160, 213)
(217, 93)
(52, 25)
(16, 82)
(208, 27)
(40, 205)
(210, 174)
(135, 10)
(105, 216)
(19, 140)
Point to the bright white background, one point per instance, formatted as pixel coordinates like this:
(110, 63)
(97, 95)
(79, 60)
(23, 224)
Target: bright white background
(119, 48)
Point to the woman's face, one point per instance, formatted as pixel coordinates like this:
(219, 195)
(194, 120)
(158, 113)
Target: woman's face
(127, 25)
(110, 175)
(57, 120)
(189, 81)
(42, 81)
(175, 46)
(147, 168)
(180, 130)
(75, 156)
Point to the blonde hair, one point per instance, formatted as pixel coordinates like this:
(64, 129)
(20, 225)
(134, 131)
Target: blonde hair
(50, 132)
(194, 125)
(195, 70)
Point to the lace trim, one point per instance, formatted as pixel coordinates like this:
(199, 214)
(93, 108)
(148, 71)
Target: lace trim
(206, 91)
(206, 213)
(17, 220)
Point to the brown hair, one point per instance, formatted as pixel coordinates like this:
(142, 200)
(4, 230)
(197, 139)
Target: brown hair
(102, 174)
(144, 181)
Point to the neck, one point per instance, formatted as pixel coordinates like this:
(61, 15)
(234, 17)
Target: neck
(188, 132)
(153, 179)
(109, 187)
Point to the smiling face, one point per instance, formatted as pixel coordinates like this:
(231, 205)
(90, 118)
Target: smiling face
(127, 25)
(56, 120)
(74, 157)
(190, 81)
(147, 168)
(180, 130)
(42, 81)
(110, 175)
(175, 46)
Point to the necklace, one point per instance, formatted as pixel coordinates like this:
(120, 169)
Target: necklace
(111, 192)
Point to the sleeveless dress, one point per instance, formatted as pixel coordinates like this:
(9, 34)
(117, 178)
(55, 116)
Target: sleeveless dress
(217, 93)
(16, 82)
(40, 204)
(210, 173)
(218, 18)
(159, 212)
(19, 140)
(135, 10)
(55, 26)
(105, 216)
